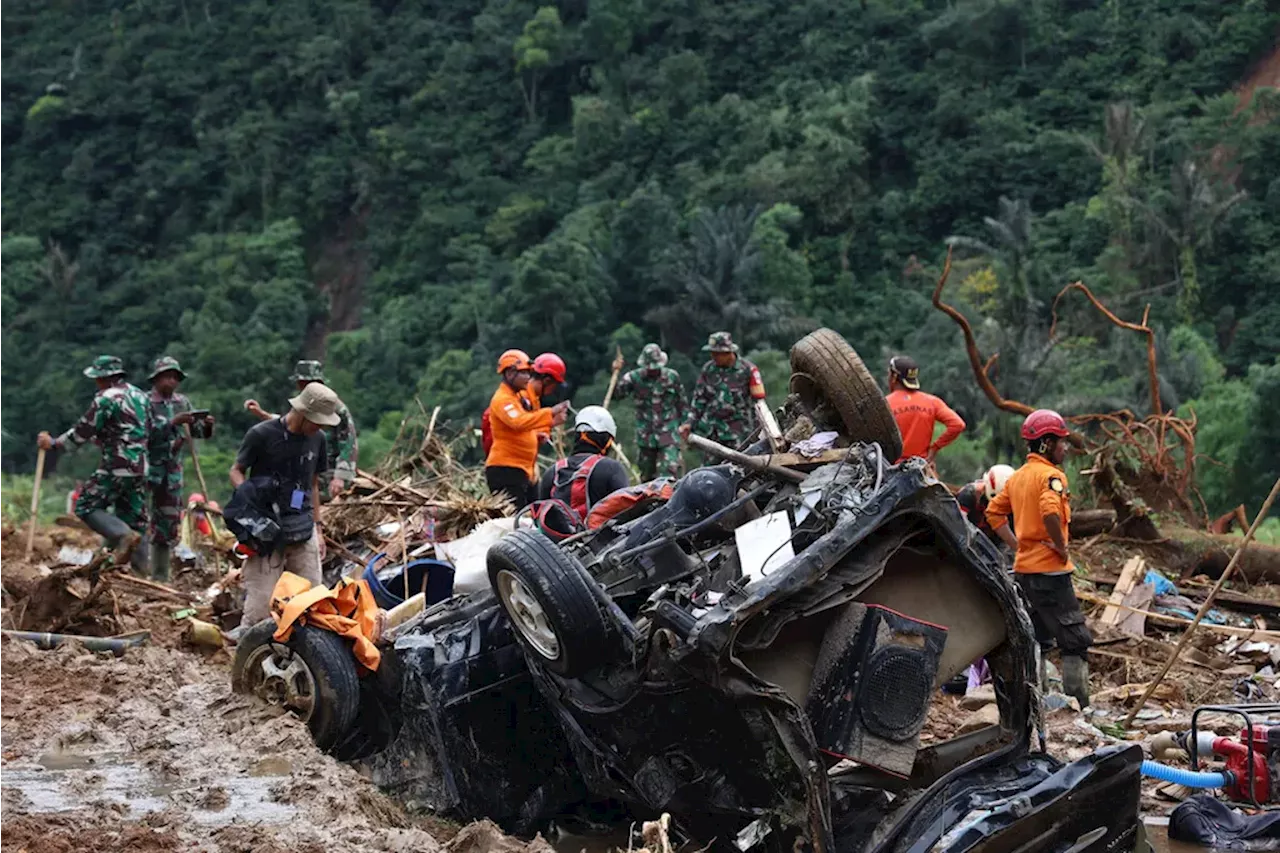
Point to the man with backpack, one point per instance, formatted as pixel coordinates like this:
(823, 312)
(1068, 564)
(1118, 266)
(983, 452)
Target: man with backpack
(588, 474)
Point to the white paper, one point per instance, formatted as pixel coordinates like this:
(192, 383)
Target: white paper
(764, 544)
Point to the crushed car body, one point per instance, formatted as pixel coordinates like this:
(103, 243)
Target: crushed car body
(756, 656)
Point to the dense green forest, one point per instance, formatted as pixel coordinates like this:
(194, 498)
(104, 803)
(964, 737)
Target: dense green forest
(404, 189)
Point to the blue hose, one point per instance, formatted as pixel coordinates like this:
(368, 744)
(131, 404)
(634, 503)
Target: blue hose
(1179, 776)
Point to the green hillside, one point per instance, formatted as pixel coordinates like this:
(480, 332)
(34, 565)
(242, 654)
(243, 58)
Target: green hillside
(405, 189)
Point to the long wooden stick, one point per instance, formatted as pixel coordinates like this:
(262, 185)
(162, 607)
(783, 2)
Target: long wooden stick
(35, 501)
(195, 460)
(613, 383)
(757, 463)
(1208, 602)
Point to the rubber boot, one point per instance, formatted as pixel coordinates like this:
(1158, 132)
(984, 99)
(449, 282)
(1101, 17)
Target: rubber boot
(107, 526)
(1075, 678)
(160, 561)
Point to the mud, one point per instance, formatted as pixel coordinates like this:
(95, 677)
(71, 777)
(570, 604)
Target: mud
(153, 752)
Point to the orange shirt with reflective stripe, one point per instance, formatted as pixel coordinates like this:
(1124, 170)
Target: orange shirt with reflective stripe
(1036, 490)
(515, 430)
(916, 412)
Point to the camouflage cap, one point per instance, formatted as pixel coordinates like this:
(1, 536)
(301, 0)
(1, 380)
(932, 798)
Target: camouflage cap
(652, 357)
(720, 342)
(103, 366)
(308, 371)
(165, 363)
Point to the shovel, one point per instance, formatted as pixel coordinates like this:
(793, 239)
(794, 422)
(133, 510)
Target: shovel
(35, 501)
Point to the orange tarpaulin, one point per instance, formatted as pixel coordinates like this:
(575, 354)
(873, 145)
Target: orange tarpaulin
(349, 610)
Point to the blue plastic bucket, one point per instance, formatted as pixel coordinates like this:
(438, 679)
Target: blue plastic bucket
(435, 576)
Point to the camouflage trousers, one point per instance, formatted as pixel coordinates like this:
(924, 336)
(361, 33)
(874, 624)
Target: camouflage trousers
(657, 462)
(124, 497)
(166, 508)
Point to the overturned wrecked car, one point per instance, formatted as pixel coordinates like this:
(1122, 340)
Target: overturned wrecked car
(756, 656)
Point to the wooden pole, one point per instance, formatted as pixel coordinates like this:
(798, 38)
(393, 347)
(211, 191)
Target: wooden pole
(1204, 608)
(613, 383)
(35, 501)
(195, 460)
(757, 463)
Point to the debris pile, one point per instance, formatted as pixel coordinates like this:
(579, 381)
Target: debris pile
(420, 494)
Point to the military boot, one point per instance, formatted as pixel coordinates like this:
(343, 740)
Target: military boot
(1075, 678)
(160, 561)
(120, 539)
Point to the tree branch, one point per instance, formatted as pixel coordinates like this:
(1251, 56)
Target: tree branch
(971, 347)
(1153, 376)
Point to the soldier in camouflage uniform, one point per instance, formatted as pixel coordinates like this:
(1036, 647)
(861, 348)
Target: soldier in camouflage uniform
(659, 397)
(170, 415)
(119, 421)
(342, 440)
(722, 408)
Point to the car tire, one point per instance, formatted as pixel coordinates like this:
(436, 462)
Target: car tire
(313, 675)
(825, 365)
(547, 595)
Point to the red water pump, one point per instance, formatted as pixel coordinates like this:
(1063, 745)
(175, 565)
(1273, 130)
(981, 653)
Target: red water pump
(1252, 760)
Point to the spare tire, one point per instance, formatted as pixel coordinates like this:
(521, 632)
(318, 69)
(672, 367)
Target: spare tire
(547, 595)
(826, 367)
(313, 675)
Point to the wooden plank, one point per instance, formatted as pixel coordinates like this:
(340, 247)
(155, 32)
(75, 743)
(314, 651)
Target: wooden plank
(1134, 622)
(1133, 569)
(1251, 633)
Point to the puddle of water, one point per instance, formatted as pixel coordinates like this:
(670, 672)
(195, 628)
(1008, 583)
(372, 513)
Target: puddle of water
(1156, 832)
(69, 781)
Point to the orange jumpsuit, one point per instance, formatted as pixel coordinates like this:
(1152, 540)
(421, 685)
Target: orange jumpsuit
(515, 431)
(916, 412)
(1036, 490)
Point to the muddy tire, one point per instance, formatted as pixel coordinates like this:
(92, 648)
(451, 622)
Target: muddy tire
(547, 595)
(313, 675)
(826, 369)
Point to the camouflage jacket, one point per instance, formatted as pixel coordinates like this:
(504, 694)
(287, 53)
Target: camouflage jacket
(119, 421)
(164, 449)
(344, 446)
(659, 405)
(722, 408)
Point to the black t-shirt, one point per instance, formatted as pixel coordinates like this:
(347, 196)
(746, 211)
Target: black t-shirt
(607, 477)
(291, 459)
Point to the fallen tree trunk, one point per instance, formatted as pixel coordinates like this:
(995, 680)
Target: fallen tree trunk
(1197, 553)
(1091, 522)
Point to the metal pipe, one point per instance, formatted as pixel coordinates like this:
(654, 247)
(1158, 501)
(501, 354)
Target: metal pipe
(115, 645)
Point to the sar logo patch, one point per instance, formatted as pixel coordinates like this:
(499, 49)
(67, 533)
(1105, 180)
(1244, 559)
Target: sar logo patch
(1056, 485)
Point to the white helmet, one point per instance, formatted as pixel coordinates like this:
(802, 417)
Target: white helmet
(595, 419)
(995, 478)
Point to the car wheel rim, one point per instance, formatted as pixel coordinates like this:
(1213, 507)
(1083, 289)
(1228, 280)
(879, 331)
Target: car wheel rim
(279, 677)
(528, 615)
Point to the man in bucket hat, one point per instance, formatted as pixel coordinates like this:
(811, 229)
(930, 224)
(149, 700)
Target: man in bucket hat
(342, 440)
(119, 421)
(171, 415)
(282, 459)
(659, 397)
(724, 396)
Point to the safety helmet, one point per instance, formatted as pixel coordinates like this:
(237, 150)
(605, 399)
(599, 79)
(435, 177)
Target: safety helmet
(595, 419)
(550, 364)
(1044, 422)
(517, 358)
(995, 478)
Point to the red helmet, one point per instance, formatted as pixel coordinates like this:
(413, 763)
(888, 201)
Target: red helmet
(517, 358)
(1044, 422)
(550, 364)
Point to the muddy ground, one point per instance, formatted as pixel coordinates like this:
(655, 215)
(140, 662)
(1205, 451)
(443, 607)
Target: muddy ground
(152, 751)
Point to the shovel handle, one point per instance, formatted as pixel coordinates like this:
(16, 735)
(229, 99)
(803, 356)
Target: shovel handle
(35, 501)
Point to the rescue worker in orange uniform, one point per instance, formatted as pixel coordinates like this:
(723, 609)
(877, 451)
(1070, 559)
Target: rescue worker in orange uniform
(1038, 499)
(515, 423)
(916, 412)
